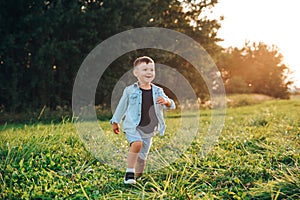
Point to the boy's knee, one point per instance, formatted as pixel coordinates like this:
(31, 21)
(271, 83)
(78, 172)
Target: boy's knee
(136, 145)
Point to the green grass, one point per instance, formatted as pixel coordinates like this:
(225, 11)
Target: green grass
(256, 157)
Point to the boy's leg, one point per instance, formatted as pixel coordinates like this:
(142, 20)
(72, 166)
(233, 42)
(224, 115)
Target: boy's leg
(134, 149)
(141, 160)
(140, 167)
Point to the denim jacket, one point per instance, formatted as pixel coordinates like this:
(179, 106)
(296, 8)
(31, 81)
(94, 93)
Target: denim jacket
(130, 105)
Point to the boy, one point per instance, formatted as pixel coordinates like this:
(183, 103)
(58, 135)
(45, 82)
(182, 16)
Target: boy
(142, 103)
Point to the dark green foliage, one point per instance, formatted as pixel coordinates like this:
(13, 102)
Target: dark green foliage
(43, 44)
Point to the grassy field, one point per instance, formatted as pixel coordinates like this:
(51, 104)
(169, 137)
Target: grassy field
(257, 157)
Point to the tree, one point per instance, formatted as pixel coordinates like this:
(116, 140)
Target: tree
(42, 47)
(259, 66)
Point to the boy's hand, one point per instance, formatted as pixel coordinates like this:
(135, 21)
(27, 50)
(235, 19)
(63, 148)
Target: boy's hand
(163, 101)
(116, 128)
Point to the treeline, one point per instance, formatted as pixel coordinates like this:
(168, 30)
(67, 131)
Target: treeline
(255, 68)
(43, 44)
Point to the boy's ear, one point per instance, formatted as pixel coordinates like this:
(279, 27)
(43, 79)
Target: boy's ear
(134, 72)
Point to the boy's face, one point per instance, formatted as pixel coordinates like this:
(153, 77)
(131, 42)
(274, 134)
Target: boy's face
(145, 73)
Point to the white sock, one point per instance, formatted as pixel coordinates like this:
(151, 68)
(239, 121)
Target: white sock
(130, 170)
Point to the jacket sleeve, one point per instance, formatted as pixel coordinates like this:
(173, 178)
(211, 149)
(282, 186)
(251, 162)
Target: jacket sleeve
(121, 108)
(173, 106)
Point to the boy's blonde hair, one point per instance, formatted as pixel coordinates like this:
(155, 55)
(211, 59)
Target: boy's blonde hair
(143, 59)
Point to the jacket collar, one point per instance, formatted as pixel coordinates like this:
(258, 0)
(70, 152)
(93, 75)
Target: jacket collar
(136, 84)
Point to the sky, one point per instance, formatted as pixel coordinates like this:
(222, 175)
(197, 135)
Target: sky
(273, 22)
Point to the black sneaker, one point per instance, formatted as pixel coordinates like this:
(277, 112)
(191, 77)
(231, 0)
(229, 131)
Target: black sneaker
(129, 178)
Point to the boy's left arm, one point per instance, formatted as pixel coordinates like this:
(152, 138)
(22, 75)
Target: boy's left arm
(165, 101)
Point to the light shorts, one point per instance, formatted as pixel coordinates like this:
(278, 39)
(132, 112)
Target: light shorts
(146, 138)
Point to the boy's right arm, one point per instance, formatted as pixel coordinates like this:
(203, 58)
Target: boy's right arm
(119, 112)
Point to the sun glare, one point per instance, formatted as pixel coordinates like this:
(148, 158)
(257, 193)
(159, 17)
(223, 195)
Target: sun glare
(273, 22)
